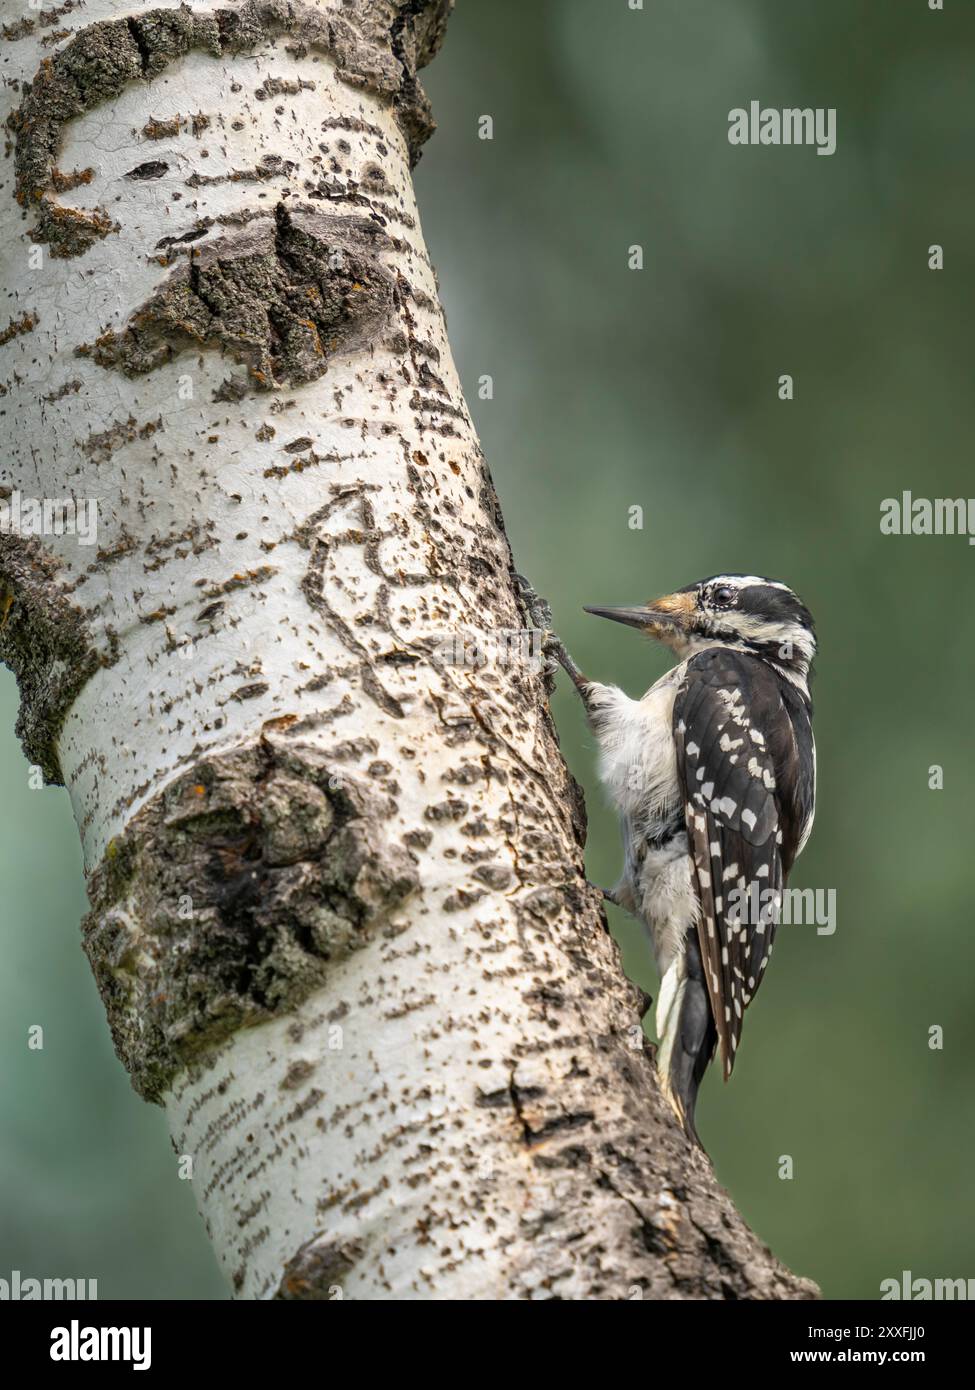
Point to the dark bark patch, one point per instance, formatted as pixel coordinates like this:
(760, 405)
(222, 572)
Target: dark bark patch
(20, 29)
(317, 1271)
(64, 182)
(17, 327)
(152, 169)
(69, 231)
(272, 166)
(281, 298)
(166, 243)
(69, 388)
(297, 1074)
(251, 691)
(244, 580)
(228, 897)
(282, 86)
(161, 130)
(45, 641)
(50, 40)
(100, 446)
(23, 28)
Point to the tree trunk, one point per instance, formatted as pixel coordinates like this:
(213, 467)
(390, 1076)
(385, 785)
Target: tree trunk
(339, 915)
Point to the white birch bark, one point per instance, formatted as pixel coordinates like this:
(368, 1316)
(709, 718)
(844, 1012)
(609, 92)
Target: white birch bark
(339, 915)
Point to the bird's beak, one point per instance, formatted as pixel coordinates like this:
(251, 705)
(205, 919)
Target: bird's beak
(666, 617)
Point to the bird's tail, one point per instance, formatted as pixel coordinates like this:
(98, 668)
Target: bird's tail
(685, 1027)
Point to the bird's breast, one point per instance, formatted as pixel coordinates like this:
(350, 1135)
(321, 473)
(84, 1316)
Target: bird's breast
(637, 763)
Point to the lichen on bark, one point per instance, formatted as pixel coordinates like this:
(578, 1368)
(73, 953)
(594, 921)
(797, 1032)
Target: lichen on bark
(282, 297)
(69, 231)
(230, 895)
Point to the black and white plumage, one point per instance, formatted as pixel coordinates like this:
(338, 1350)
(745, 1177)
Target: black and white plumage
(713, 774)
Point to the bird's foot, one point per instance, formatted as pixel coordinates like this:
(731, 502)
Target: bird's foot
(609, 894)
(538, 612)
(554, 648)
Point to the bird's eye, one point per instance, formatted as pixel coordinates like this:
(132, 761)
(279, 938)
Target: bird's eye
(723, 596)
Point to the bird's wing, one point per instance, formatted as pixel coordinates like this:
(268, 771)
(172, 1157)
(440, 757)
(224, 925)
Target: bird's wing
(732, 734)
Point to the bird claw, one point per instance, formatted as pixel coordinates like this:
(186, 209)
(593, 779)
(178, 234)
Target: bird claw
(555, 648)
(608, 893)
(539, 612)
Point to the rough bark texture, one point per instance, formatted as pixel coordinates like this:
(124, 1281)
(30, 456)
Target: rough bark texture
(339, 915)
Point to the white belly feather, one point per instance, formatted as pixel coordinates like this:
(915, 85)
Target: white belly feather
(638, 768)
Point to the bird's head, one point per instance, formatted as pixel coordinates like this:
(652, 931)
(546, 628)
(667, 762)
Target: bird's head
(744, 611)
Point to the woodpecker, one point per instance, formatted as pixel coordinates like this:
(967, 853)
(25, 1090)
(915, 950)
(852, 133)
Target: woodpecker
(713, 773)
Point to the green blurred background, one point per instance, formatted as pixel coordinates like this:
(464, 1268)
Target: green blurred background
(657, 388)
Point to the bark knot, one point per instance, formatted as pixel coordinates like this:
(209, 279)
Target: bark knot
(229, 897)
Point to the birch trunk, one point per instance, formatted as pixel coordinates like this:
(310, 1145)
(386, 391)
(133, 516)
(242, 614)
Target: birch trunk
(339, 917)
